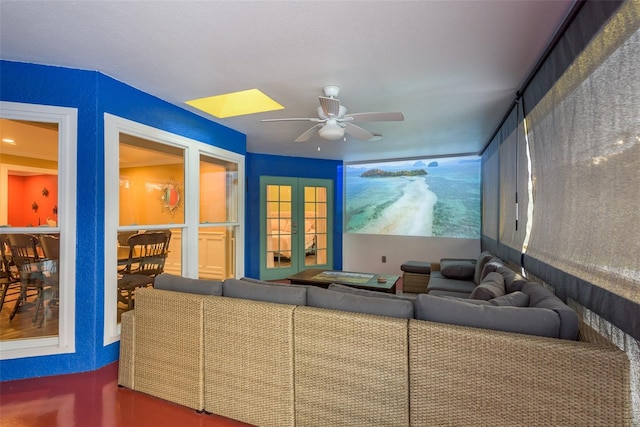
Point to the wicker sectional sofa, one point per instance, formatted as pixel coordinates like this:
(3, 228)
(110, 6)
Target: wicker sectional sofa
(276, 364)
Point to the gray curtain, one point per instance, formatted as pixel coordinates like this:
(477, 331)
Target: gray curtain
(490, 196)
(514, 181)
(585, 147)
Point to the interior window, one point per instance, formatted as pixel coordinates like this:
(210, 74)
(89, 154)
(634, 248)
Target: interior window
(177, 212)
(28, 273)
(151, 203)
(218, 207)
(37, 188)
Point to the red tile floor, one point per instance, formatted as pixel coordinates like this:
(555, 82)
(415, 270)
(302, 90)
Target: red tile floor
(92, 399)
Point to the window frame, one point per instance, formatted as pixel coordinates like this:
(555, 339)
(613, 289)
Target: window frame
(67, 120)
(113, 127)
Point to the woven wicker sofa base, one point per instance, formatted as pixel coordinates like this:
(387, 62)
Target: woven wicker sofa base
(283, 365)
(415, 282)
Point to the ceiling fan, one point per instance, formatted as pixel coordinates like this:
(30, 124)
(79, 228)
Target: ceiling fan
(333, 121)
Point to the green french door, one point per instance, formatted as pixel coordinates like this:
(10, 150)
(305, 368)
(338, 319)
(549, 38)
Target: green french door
(295, 225)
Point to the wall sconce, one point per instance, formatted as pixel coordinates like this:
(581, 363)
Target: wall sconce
(34, 206)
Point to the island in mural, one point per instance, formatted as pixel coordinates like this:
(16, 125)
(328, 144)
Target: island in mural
(414, 198)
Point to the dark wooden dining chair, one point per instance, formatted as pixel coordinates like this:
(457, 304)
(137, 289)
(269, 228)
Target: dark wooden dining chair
(8, 277)
(123, 237)
(50, 246)
(147, 255)
(24, 255)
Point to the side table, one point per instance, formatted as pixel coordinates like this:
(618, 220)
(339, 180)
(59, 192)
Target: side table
(415, 276)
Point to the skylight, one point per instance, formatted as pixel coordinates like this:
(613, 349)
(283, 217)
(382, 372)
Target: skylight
(233, 104)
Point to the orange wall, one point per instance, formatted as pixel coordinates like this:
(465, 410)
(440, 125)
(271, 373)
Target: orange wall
(141, 195)
(23, 191)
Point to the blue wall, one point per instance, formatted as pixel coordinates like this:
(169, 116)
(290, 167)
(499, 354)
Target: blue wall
(263, 164)
(93, 94)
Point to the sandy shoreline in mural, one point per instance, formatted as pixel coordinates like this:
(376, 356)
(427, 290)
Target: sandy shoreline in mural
(411, 214)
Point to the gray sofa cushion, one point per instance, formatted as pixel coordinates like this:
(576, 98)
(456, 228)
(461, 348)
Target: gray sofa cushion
(264, 282)
(541, 297)
(458, 269)
(441, 283)
(456, 311)
(281, 294)
(417, 267)
(463, 295)
(514, 299)
(512, 280)
(483, 258)
(258, 281)
(492, 286)
(170, 282)
(325, 298)
(367, 293)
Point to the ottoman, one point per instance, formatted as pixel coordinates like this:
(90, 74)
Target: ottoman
(415, 276)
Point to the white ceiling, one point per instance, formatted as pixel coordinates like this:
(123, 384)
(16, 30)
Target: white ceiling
(452, 67)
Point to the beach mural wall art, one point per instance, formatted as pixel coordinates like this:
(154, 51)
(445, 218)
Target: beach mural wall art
(419, 197)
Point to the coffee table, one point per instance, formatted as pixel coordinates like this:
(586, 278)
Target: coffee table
(323, 278)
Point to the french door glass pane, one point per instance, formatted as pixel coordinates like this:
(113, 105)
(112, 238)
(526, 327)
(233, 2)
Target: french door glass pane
(279, 226)
(315, 214)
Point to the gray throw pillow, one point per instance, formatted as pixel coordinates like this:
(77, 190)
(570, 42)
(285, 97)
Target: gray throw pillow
(281, 294)
(491, 266)
(170, 282)
(324, 298)
(512, 281)
(514, 299)
(491, 286)
(456, 311)
(458, 269)
(483, 258)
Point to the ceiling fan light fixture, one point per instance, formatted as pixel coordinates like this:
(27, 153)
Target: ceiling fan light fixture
(331, 91)
(331, 131)
(333, 122)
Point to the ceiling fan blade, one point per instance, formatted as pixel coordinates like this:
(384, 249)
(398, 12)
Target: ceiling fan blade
(374, 117)
(308, 133)
(330, 106)
(358, 132)
(294, 119)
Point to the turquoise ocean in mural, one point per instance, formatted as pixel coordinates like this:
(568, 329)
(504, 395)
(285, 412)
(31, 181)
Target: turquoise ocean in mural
(397, 198)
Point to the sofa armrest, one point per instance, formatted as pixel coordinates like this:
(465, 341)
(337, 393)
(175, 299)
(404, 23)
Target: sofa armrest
(168, 347)
(588, 384)
(127, 350)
